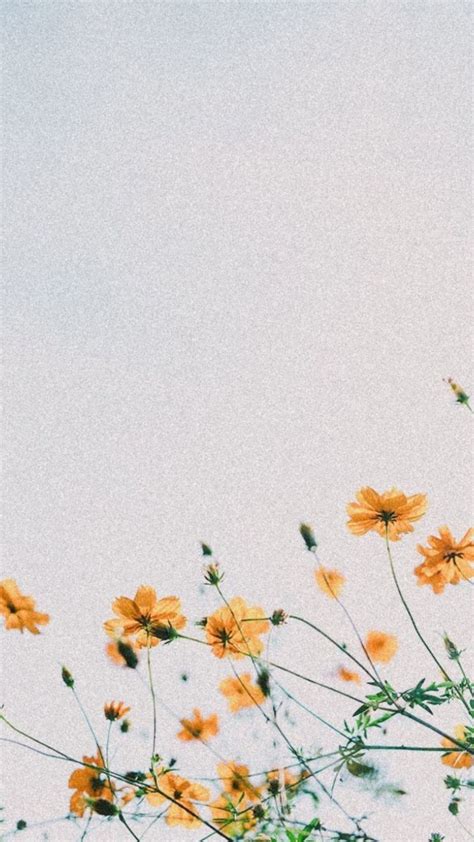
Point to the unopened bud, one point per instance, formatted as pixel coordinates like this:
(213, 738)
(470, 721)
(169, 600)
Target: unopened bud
(307, 535)
(67, 677)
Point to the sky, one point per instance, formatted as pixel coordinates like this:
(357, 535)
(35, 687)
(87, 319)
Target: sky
(236, 272)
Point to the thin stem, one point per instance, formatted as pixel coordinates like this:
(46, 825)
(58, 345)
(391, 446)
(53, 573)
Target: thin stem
(334, 642)
(88, 722)
(125, 823)
(153, 698)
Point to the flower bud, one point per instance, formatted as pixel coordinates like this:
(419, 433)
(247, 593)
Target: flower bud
(307, 535)
(67, 677)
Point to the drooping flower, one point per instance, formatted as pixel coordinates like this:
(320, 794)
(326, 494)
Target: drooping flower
(199, 728)
(381, 646)
(145, 617)
(458, 759)
(19, 610)
(235, 780)
(446, 561)
(90, 783)
(231, 814)
(115, 710)
(347, 675)
(241, 692)
(330, 582)
(185, 792)
(234, 630)
(391, 513)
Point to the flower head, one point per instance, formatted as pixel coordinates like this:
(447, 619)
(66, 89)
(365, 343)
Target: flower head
(145, 617)
(446, 561)
(330, 582)
(461, 396)
(390, 513)
(185, 792)
(115, 710)
(458, 759)
(241, 692)
(381, 646)
(235, 780)
(199, 728)
(347, 675)
(234, 630)
(89, 784)
(231, 815)
(19, 610)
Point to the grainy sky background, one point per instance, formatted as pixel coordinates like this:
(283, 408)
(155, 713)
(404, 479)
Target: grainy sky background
(236, 273)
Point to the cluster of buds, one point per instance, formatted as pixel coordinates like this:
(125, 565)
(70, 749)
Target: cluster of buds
(279, 617)
(115, 710)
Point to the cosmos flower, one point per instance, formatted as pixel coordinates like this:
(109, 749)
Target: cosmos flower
(235, 780)
(88, 782)
(181, 790)
(456, 759)
(199, 728)
(144, 616)
(380, 646)
(390, 513)
(231, 814)
(446, 561)
(347, 675)
(234, 630)
(19, 610)
(330, 582)
(241, 692)
(115, 710)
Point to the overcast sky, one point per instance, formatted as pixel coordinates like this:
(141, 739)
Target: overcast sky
(236, 274)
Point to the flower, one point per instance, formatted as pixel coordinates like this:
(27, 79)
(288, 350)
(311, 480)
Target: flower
(446, 561)
(19, 610)
(461, 396)
(330, 582)
(198, 728)
(390, 513)
(380, 646)
(279, 779)
(231, 814)
(347, 675)
(241, 692)
(145, 616)
(234, 779)
(88, 782)
(234, 630)
(458, 759)
(115, 710)
(181, 790)
(122, 651)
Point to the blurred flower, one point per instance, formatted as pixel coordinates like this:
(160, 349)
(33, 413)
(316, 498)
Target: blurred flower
(307, 535)
(241, 692)
(88, 782)
(213, 574)
(185, 792)
(279, 617)
(458, 759)
(234, 779)
(231, 814)
(461, 396)
(347, 675)
(115, 710)
(144, 616)
(330, 582)
(123, 652)
(67, 677)
(19, 610)
(279, 779)
(380, 646)
(199, 728)
(447, 561)
(234, 630)
(391, 512)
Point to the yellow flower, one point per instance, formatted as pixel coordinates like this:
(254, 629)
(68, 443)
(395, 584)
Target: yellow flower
(380, 646)
(234, 630)
(88, 782)
(231, 814)
(115, 710)
(347, 675)
(18, 610)
(145, 616)
(198, 728)
(447, 561)
(389, 513)
(330, 582)
(234, 779)
(457, 759)
(181, 790)
(241, 692)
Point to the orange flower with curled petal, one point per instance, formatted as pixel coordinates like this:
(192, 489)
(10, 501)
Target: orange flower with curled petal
(458, 759)
(241, 692)
(199, 728)
(381, 646)
(19, 610)
(115, 710)
(391, 513)
(185, 792)
(143, 616)
(347, 675)
(89, 782)
(231, 814)
(234, 630)
(330, 582)
(446, 561)
(235, 780)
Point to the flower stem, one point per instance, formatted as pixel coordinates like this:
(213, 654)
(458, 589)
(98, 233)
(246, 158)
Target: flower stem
(153, 699)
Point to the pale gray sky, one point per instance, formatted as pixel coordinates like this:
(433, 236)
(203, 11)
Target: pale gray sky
(236, 274)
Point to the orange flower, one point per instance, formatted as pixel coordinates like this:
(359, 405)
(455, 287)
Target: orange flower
(380, 646)
(234, 779)
(198, 728)
(234, 630)
(279, 779)
(447, 561)
(347, 675)
(18, 610)
(389, 513)
(330, 582)
(457, 759)
(241, 692)
(228, 814)
(88, 782)
(145, 616)
(183, 791)
(115, 710)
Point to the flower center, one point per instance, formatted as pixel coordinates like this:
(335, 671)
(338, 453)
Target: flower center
(386, 517)
(452, 556)
(177, 794)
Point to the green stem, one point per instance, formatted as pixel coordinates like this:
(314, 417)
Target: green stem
(153, 699)
(334, 642)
